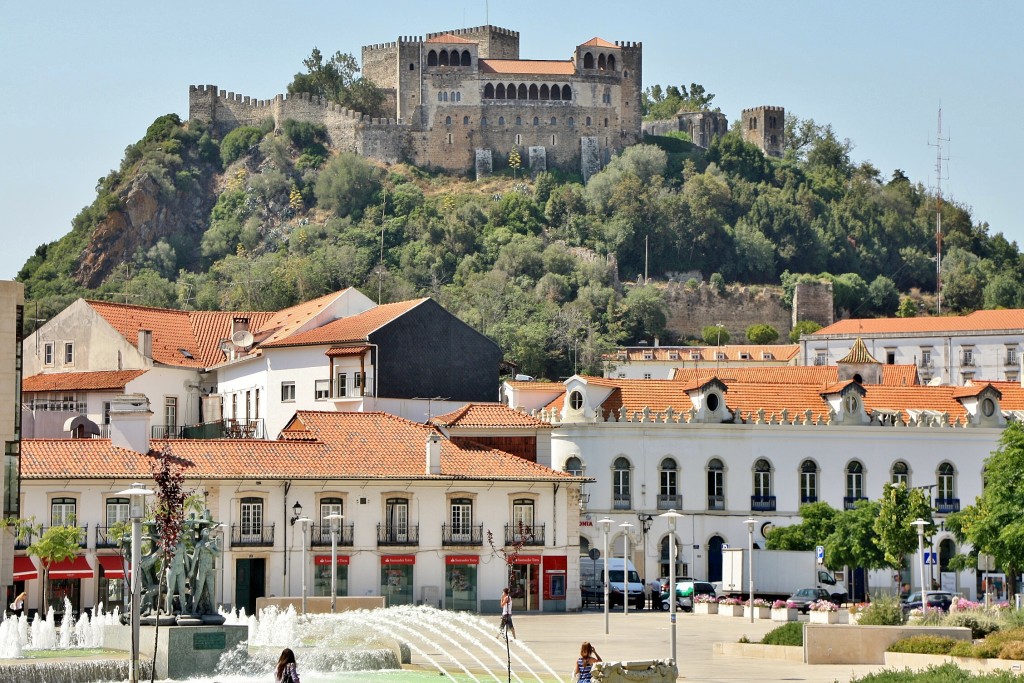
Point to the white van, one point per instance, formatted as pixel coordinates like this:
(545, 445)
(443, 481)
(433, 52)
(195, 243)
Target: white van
(592, 581)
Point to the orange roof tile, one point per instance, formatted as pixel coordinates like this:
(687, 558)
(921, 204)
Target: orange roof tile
(598, 42)
(80, 381)
(488, 415)
(1009, 319)
(286, 321)
(339, 351)
(354, 328)
(448, 38)
(823, 375)
(734, 352)
(537, 67)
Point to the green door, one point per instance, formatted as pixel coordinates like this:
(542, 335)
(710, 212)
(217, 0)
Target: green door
(250, 583)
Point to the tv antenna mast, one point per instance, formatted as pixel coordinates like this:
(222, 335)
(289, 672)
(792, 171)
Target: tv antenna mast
(938, 212)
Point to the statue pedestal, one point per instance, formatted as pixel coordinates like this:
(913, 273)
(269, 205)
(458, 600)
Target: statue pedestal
(182, 651)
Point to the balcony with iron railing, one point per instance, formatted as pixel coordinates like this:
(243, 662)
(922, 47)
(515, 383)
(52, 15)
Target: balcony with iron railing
(83, 535)
(850, 502)
(762, 503)
(621, 501)
(248, 536)
(528, 535)
(945, 506)
(105, 537)
(23, 542)
(716, 502)
(804, 500)
(462, 534)
(398, 534)
(321, 534)
(670, 501)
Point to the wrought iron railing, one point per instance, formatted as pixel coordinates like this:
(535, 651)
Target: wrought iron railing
(462, 534)
(247, 536)
(850, 502)
(621, 501)
(716, 502)
(668, 501)
(392, 534)
(529, 535)
(762, 503)
(322, 534)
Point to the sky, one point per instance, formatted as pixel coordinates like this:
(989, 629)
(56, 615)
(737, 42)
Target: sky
(82, 81)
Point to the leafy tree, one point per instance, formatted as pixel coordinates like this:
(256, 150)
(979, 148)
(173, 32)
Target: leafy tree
(717, 283)
(645, 312)
(803, 327)
(883, 296)
(238, 142)
(898, 507)
(736, 156)
(762, 334)
(908, 308)
(336, 80)
(59, 543)
(994, 524)
(818, 523)
(657, 103)
(1004, 290)
(852, 543)
(347, 185)
(715, 335)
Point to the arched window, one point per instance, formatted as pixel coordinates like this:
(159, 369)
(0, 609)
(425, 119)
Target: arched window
(489, 91)
(668, 493)
(808, 482)
(606, 122)
(601, 64)
(412, 67)
(442, 58)
(545, 92)
(572, 122)
(519, 120)
(458, 97)
(716, 485)
(431, 58)
(566, 92)
(900, 473)
(536, 120)
(440, 97)
(611, 62)
(588, 121)
(501, 120)
(588, 61)
(556, 92)
(554, 121)
(620, 484)
(447, 120)
(465, 120)
(451, 96)
(762, 499)
(854, 484)
(534, 93)
(946, 480)
(466, 59)
(510, 91)
(574, 466)
(499, 93)
(483, 121)
(522, 91)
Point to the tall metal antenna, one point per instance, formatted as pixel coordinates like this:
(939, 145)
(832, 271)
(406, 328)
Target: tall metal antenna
(938, 213)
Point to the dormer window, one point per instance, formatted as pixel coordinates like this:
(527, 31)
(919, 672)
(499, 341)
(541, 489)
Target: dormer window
(744, 355)
(720, 355)
(767, 356)
(713, 401)
(695, 355)
(576, 400)
(988, 407)
(852, 403)
(648, 355)
(673, 355)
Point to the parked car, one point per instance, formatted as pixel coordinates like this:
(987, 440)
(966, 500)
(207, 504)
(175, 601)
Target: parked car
(686, 591)
(802, 599)
(936, 600)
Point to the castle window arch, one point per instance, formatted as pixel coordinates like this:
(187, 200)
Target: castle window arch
(483, 121)
(501, 120)
(554, 121)
(621, 469)
(762, 498)
(553, 143)
(519, 120)
(556, 92)
(625, 73)
(588, 61)
(611, 62)
(545, 92)
(447, 120)
(668, 488)
(606, 122)
(432, 58)
(489, 91)
(466, 59)
(534, 93)
(440, 97)
(442, 58)
(454, 96)
(588, 121)
(522, 91)
(566, 92)
(412, 67)
(572, 122)
(510, 91)
(808, 482)
(536, 120)
(465, 120)
(499, 92)
(602, 64)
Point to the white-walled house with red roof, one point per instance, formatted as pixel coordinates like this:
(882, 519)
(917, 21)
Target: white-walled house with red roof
(418, 508)
(658, 362)
(722, 447)
(980, 346)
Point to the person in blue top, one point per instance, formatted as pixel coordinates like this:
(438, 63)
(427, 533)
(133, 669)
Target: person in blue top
(588, 657)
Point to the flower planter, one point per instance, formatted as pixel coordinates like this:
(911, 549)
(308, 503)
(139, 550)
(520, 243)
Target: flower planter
(705, 608)
(824, 617)
(759, 612)
(730, 610)
(784, 614)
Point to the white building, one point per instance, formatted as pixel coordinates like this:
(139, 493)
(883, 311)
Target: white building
(981, 346)
(759, 443)
(660, 362)
(12, 313)
(418, 508)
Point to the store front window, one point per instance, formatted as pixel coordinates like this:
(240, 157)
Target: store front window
(460, 582)
(322, 575)
(396, 578)
(526, 583)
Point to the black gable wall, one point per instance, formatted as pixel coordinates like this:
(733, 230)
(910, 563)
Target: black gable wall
(428, 353)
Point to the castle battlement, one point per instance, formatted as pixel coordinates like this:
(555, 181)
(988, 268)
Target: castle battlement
(476, 29)
(628, 43)
(765, 108)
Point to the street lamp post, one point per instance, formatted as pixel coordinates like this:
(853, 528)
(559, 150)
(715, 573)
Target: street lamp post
(672, 516)
(136, 511)
(606, 525)
(921, 524)
(626, 526)
(335, 521)
(750, 563)
(645, 526)
(304, 521)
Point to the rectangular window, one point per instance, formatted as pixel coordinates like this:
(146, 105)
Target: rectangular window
(62, 511)
(820, 358)
(967, 357)
(12, 466)
(890, 358)
(808, 487)
(668, 482)
(762, 484)
(48, 353)
(322, 389)
(1011, 356)
(287, 391)
(397, 519)
(117, 511)
(256, 406)
(69, 353)
(251, 519)
(926, 357)
(647, 375)
(462, 520)
(522, 514)
(170, 411)
(341, 385)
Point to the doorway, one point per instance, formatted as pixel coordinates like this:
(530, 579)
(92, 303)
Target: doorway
(250, 583)
(715, 558)
(525, 596)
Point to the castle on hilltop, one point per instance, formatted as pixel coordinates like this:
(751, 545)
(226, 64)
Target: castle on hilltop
(462, 100)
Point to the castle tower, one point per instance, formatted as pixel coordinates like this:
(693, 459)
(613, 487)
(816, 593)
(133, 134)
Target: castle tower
(765, 127)
(631, 88)
(495, 42)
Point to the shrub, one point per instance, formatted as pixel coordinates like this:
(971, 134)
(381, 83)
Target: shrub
(945, 673)
(803, 327)
(981, 623)
(884, 610)
(238, 142)
(1014, 650)
(717, 283)
(791, 633)
(762, 334)
(713, 335)
(924, 645)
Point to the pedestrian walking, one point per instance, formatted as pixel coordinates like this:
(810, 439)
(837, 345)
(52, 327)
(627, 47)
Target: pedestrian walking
(506, 614)
(18, 605)
(287, 671)
(587, 659)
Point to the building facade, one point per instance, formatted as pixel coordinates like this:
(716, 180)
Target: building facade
(660, 362)
(12, 319)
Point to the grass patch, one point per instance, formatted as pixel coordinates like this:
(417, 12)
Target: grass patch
(945, 673)
(790, 633)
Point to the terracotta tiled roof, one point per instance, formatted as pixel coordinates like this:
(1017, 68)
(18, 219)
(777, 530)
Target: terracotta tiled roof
(538, 67)
(858, 354)
(80, 381)
(339, 351)
(1012, 395)
(354, 328)
(284, 322)
(1009, 319)
(598, 42)
(315, 446)
(823, 375)
(899, 375)
(733, 352)
(448, 38)
(974, 389)
(488, 415)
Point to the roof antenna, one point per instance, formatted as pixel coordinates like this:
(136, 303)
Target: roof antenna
(938, 213)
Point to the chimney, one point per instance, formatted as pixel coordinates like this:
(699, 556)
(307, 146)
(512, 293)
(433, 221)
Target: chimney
(130, 422)
(434, 453)
(146, 343)
(239, 325)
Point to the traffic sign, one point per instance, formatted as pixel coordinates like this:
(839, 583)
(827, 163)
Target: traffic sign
(594, 554)
(725, 546)
(930, 557)
(819, 552)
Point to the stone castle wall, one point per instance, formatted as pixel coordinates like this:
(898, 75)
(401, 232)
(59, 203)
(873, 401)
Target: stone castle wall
(690, 310)
(765, 127)
(813, 301)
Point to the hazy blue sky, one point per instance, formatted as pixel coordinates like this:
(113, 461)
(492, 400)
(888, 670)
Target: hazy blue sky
(82, 80)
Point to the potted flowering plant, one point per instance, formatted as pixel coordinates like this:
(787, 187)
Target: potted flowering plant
(781, 611)
(823, 612)
(705, 604)
(730, 607)
(762, 609)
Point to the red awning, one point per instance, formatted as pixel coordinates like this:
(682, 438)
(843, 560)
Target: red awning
(111, 566)
(75, 568)
(326, 559)
(24, 569)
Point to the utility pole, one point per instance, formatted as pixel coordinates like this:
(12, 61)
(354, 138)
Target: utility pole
(938, 214)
